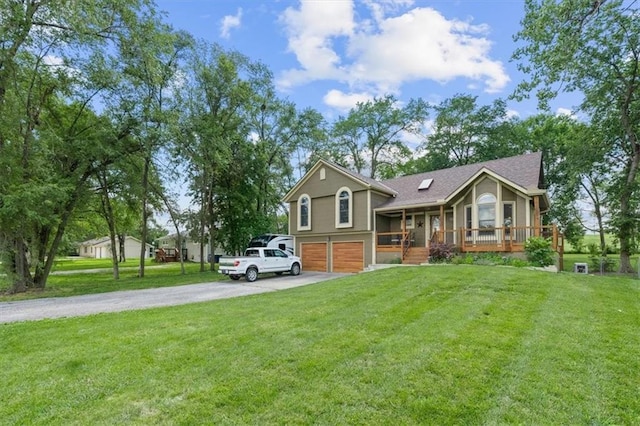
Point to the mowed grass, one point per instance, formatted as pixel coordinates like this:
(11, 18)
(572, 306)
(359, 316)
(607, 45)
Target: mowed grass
(71, 280)
(423, 345)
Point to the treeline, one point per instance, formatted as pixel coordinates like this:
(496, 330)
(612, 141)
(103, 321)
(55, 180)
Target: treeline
(105, 110)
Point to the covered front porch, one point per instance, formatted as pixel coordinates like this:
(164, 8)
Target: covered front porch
(505, 239)
(407, 235)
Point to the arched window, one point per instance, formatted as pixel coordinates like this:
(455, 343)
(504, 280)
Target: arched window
(486, 211)
(344, 210)
(304, 213)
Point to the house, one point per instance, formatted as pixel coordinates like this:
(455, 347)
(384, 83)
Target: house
(100, 248)
(343, 221)
(168, 248)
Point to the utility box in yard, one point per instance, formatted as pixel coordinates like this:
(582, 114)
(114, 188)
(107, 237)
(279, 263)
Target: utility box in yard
(580, 268)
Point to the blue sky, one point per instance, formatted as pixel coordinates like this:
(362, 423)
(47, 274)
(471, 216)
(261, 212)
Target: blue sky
(329, 54)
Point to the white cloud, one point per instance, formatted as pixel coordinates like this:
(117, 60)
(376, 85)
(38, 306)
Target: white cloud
(512, 113)
(345, 101)
(229, 22)
(565, 111)
(311, 31)
(389, 51)
(52, 60)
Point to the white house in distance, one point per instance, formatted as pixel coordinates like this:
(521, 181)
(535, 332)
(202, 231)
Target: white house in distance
(100, 248)
(170, 246)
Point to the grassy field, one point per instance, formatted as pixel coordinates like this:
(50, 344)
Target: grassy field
(424, 345)
(593, 239)
(67, 279)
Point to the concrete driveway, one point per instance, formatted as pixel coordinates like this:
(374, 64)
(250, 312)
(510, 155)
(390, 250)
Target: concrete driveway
(60, 307)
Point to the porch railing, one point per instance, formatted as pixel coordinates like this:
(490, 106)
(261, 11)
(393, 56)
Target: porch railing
(505, 239)
(392, 240)
(473, 239)
(496, 239)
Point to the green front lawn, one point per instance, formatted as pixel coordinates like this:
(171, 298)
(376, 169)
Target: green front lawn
(423, 345)
(78, 282)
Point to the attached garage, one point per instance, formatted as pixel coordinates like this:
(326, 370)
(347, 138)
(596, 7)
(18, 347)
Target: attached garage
(314, 256)
(348, 256)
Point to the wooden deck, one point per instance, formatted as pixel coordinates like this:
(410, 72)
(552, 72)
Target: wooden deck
(474, 240)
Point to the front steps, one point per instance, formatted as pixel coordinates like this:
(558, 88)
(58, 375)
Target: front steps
(416, 256)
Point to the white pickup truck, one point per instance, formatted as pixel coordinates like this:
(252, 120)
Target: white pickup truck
(258, 260)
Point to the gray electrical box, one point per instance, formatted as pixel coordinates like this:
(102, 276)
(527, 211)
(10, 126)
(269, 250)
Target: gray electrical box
(580, 268)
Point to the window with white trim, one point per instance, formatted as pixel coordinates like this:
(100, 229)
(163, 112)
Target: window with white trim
(344, 208)
(486, 211)
(468, 219)
(410, 221)
(304, 213)
(508, 216)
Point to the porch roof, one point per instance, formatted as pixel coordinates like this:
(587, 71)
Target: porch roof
(524, 172)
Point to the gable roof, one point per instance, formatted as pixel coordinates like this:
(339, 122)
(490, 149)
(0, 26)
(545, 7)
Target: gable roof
(357, 177)
(524, 172)
(107, 240)
(95, 241)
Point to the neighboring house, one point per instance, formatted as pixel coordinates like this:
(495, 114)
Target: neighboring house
(100, 248)
(343, 221)
(168, 248)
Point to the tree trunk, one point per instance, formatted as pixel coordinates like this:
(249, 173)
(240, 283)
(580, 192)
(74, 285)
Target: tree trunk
(625, 233)
(122, 255)
(627, 217)
(42, 274)
(107, 211)
(20, 267)
(145, 216)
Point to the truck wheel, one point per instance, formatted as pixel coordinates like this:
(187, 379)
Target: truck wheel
(234, 277)
(251, 275)
(295, 269)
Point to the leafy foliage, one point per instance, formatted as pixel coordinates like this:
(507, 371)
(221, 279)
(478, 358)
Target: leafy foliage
(466, 133)
(598, 259)
(369, 138)
(592, 48)
(491, 259)
(441, 252)
(539, 251)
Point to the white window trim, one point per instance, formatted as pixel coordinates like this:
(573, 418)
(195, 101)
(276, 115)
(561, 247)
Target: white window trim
(513, 212)
(495, 209)
(410, 221)
(349, 224)
(308, 227)
(469, 233)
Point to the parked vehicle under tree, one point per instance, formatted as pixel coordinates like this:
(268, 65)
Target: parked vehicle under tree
(259, 260)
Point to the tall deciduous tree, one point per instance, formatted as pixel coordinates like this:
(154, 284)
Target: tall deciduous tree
(372, 136)
(150, 55)
(465, 132)
(278, 130)
(592, 48)
(214, 142)
(49, 138)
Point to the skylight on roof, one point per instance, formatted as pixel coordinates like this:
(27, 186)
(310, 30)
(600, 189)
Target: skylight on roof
(425, 184)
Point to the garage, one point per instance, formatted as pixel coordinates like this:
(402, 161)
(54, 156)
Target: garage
(314, 256)
(348, 256)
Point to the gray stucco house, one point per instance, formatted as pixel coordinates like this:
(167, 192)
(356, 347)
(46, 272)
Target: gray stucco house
(343, 221)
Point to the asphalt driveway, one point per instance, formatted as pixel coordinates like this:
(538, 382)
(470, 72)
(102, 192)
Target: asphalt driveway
(60, 307)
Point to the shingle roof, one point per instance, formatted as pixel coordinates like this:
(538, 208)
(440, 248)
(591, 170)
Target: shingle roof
(522, 170)
(380, 186)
